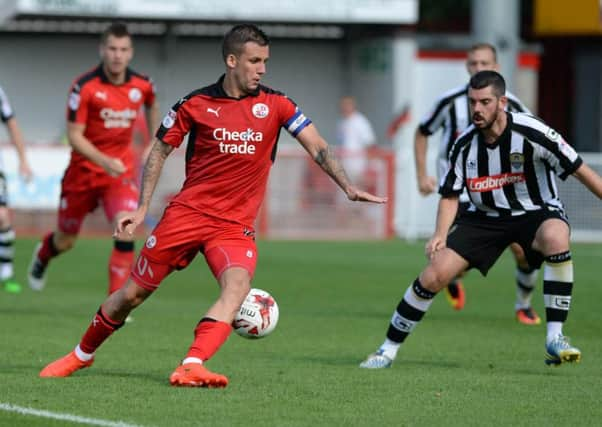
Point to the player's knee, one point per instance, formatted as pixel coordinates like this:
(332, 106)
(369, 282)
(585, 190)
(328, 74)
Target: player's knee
(554, 239)
(236, 280)
(64, 242)
(241, 287)
(433, 279)
(519, 256)
(517, 251)
(235, 290)
(131, 295)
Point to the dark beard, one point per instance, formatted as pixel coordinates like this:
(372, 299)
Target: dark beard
(488, 125)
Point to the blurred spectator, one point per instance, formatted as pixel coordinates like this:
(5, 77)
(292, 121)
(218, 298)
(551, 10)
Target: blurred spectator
(354, 135)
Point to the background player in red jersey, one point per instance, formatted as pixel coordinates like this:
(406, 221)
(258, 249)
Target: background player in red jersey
(233, 128)
(102, 108)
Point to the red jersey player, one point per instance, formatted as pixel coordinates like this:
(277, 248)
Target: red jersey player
(233, 127)
(102, 107)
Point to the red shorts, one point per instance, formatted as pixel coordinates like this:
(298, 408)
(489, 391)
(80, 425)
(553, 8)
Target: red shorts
(114, 194)
(181, 234)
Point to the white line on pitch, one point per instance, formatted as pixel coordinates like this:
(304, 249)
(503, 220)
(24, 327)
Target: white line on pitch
(65, 417)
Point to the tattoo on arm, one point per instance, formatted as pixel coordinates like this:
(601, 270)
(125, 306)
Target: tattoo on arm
(329, 164)
(152, 171)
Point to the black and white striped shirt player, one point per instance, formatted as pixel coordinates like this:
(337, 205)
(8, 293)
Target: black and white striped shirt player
(514, 175)
(7, 234)
(507, 161)
(451, 114)
(6, 113)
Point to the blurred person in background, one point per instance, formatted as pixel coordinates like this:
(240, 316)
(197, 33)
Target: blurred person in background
(450, 114)
(354, 136)
(233, 127)
(102, 107)
(7, 234)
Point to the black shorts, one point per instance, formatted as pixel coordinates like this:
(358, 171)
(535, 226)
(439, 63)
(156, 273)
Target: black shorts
(480, 239)
(462, 209)
(3, 190)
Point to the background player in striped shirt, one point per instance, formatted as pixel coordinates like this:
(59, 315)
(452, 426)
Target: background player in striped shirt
(451, 115)
(7, 234)
(102, 107)
(233, 127)
(507, 162)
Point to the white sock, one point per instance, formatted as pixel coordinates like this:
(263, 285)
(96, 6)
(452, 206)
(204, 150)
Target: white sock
(82, 355)
(192, 360)
(6, 270)
(523, 298)
(390, 348)
(554, 329)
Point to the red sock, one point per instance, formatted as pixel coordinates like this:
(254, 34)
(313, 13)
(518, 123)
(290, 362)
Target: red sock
(47, 250)
(99, 330)
(120, 265)
(209, 335)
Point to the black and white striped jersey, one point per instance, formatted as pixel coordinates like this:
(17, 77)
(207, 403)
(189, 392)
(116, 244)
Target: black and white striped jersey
(451, 113)
(6, 112)
(513, 175)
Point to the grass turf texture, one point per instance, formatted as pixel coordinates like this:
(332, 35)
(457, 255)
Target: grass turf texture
(474, 367)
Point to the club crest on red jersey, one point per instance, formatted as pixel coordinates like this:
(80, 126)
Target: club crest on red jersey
(74, 100)
(135, 95)
(151, 241)
(260, 110)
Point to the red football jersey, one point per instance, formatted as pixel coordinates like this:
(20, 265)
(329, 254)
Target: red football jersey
(231, 147)
(108, 111)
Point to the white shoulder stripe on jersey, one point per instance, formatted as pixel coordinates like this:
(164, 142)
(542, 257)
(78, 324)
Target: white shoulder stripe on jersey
(530, 121)
(512, 97)
(459, 90)
(445, 99)
(6, 111)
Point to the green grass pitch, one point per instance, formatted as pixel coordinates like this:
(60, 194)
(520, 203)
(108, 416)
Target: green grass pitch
(474, 367)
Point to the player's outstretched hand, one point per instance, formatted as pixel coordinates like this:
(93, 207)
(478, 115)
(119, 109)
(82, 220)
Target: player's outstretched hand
(436, 243)
(128, 223)
(362, 196)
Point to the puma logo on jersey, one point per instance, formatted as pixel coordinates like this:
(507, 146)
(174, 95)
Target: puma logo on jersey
(214, 111)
